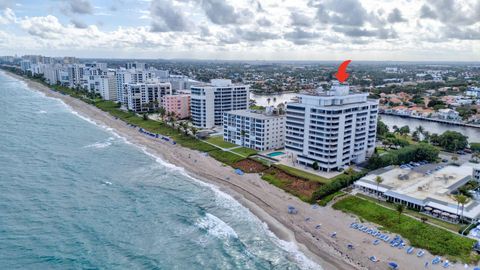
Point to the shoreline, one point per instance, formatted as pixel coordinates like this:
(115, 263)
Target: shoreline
(265, 201)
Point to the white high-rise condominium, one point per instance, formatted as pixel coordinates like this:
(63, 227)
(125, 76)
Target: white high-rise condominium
(333, 128)
(75, 74)
(259, 131)
(143, 97)
(209, 101)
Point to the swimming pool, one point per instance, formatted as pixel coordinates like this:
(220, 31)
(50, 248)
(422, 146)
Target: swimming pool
(274, 154)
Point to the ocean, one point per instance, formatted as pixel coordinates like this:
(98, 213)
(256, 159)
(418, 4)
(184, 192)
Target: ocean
(75, 195)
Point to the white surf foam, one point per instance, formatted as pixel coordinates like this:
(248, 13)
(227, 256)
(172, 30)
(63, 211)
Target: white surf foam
(216, 227)
(41, 112)
(221, 197)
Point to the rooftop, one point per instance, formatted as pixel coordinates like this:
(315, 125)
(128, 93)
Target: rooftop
(420, 186)
(253, 114)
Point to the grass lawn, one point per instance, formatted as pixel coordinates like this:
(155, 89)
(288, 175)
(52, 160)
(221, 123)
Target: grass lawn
(421, 235)
(225, 157)
(218, 141)
(155, 127)
(446, 225)
(244, 151)
(303, 174)
(325, 200)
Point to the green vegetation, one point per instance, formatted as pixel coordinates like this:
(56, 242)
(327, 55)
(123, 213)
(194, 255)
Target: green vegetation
(421, 235)
(257, 107)
(244, 151)
(415, 213)
(225, 156)
(302, 174)
(325, 200)
(475, 147)
(450, 140)
(336, 184)
(218, 141)
(417, 152)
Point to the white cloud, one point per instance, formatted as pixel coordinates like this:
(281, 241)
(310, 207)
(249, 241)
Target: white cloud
(247, 29)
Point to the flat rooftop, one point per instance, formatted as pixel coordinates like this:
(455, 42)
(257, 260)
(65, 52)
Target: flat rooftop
(248, 113)
(420, 186)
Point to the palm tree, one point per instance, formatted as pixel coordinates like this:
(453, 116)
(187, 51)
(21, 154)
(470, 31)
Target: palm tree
(462, 200)
(162, 112)
(378, 180)
(349, 171)
(420, 129)
(400, 209)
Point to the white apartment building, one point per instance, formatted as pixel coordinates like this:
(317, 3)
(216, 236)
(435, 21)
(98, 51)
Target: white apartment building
(105, 85)
(127, 76)
(75, 74)
(210, 101)
(332, 128)
(142, 97)
(259, 131)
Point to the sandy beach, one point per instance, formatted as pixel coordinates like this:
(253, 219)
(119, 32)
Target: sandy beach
(266, 201)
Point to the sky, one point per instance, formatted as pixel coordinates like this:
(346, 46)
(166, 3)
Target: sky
(397, 30)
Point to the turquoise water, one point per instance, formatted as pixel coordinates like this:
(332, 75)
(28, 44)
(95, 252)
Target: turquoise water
(274, 154)
(75, 195)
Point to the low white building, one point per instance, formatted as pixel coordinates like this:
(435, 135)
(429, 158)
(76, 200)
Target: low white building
(448, 114)
(259, 131)
(429, 193)
(143, 97)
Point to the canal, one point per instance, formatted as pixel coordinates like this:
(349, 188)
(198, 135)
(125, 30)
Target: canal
(473, 134)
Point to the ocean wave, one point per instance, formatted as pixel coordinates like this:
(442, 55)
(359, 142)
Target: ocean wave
(297, 255)
(41, 112)
(100, 145)
(216, 227)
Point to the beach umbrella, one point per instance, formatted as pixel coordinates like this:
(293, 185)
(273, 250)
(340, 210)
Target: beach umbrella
(437, 211)
(445, 214)
(428, 208)
(393, 265)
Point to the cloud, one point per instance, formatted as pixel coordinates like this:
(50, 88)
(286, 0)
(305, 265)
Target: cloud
(255, 35)
(166, 18)
(356, 32)
(396, 16)
(452, 12)
(301, 37)
(264, 22)
(8, 16)
(78, 24)
(44, 27)
(80, 6)
(300, 19)
(427, 13)
(222, 13)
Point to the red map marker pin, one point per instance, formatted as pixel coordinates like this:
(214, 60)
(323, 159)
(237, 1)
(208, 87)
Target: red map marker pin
(342, 74)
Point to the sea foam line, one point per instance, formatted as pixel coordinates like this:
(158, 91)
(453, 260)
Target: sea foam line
(291, 247)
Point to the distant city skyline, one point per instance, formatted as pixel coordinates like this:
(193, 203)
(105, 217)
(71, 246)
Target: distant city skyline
(397, 30)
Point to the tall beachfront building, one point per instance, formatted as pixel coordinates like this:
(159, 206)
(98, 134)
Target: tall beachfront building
(333, 128)
(143, 97)
(257, 130)
(210, 101)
